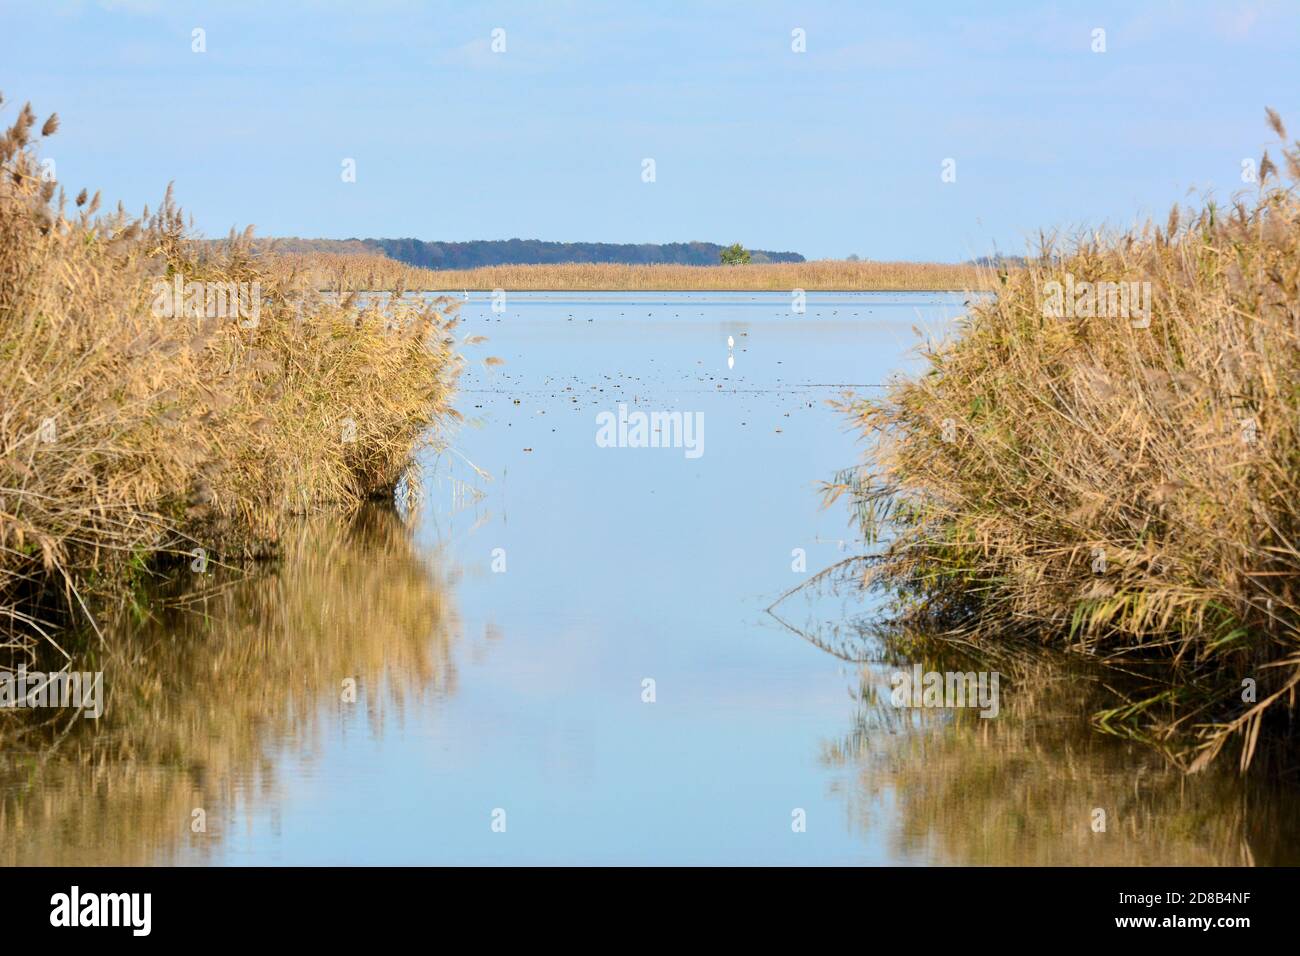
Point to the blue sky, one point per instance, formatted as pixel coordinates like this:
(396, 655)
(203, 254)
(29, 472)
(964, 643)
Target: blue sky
(834, 151)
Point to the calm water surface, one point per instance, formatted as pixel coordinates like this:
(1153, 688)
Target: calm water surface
(500, 639)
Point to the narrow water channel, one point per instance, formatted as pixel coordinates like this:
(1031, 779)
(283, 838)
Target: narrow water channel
(561, 651)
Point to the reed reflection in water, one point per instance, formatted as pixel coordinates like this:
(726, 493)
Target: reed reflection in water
(1024, 787)
(224, 673)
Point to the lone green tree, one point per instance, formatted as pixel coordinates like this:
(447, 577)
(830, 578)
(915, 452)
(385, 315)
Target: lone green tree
(734, 255)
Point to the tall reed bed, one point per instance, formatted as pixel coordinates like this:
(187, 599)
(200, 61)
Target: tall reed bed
(340, 272)
(822, 275)
(1121, 486)
(135, 422)
(344, 271)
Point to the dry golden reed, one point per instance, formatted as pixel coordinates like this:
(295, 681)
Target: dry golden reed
(128, 429)
(340, 272)
(822, 275)
(1124, 489)
(358, 271)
